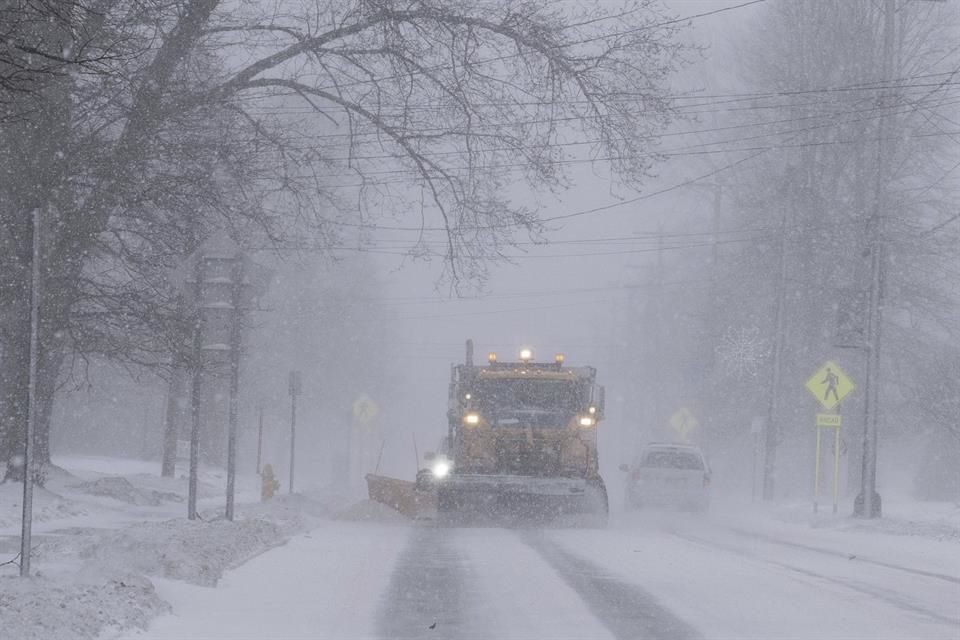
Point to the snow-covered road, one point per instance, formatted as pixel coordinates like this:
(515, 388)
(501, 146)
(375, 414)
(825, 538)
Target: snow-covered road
(671, 577)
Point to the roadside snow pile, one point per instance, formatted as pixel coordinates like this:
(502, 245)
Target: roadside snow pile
(901, 517)
(41, 609)
(47, 506)
(370, 511)
(103, 528)
(194, 551)
(119, 488)
(109, 591)
(935, 526)
(291, 513)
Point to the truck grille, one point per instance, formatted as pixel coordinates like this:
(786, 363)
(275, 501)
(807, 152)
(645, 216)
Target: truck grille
(516, 455)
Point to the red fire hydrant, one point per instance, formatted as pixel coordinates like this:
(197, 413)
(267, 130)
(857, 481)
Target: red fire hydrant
(269, 484)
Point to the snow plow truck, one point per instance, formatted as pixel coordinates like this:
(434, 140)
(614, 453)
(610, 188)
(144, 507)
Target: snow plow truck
(521, 443)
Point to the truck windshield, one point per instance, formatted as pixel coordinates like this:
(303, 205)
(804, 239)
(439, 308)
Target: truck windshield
(524, 402)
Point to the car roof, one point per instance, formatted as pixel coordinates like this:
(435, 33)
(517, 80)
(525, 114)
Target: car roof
(671, 445)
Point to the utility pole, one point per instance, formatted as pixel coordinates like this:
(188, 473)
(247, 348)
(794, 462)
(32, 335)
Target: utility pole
(26, 533)
(169, 461)
(175, 392)
(236, 343)
(296, 386)
(658, 333)
(195, 387)
(868, 499)
(772, 431)
(717, 204)
(259, 440)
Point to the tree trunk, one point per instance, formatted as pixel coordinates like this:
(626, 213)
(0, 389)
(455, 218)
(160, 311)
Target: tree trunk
(15, 388)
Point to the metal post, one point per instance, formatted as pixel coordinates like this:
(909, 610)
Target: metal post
(715, 244)
(772, 433)
(836, 468)
(293, 435)
(658, 335)
(259, 440)
(816, 472)
(195, 389)
(235, 346)
(416, 453)
(26, 533)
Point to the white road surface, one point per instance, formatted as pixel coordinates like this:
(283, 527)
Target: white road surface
(667, 577)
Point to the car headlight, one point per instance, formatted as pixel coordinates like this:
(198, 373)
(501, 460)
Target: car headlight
(441, 469)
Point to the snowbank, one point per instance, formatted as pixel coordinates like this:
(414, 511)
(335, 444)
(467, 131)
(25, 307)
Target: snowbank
(100, 538)
(370, 511)
(121, 489)
(192, 551)
(43, 609)
(47, 506)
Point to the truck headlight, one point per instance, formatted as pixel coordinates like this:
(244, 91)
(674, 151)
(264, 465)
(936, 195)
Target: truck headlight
(441, 469)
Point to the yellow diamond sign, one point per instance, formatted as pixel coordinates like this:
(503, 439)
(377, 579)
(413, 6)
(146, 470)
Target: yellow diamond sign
(829, 385)
(365, 410)
(683, 422)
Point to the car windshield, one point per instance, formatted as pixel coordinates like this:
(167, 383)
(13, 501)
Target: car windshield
(668, 459)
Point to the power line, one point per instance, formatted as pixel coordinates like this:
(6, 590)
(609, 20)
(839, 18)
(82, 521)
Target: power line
(679, 151)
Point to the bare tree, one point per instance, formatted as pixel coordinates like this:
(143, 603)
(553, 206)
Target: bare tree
(230, 117)
(838, 146)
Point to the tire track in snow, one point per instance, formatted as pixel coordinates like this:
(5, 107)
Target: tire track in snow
(876, 592)
(428, 587)
(625, 609)
(841, 554)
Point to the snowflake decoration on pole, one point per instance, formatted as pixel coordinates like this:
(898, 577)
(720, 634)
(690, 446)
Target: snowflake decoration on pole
(741, 351)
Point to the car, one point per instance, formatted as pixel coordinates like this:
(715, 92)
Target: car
(668, 475)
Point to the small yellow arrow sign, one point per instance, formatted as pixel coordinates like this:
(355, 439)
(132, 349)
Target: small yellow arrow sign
(829, 385)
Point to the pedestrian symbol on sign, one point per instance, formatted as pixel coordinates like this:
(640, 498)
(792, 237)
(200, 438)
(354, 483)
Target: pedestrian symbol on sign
(829, 385)
(830, 379)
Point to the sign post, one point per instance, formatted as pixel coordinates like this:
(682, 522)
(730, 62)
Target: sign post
(296, 388)
(220, 283)
(756, 430)
(259, 440)
(827, 421)
(829, 385)
(26, 532)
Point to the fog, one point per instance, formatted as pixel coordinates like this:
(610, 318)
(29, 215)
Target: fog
(779, 203)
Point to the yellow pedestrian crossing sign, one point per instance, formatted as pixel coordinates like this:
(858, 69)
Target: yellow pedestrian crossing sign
(683, 422)
(829, 385)
(365, 410)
